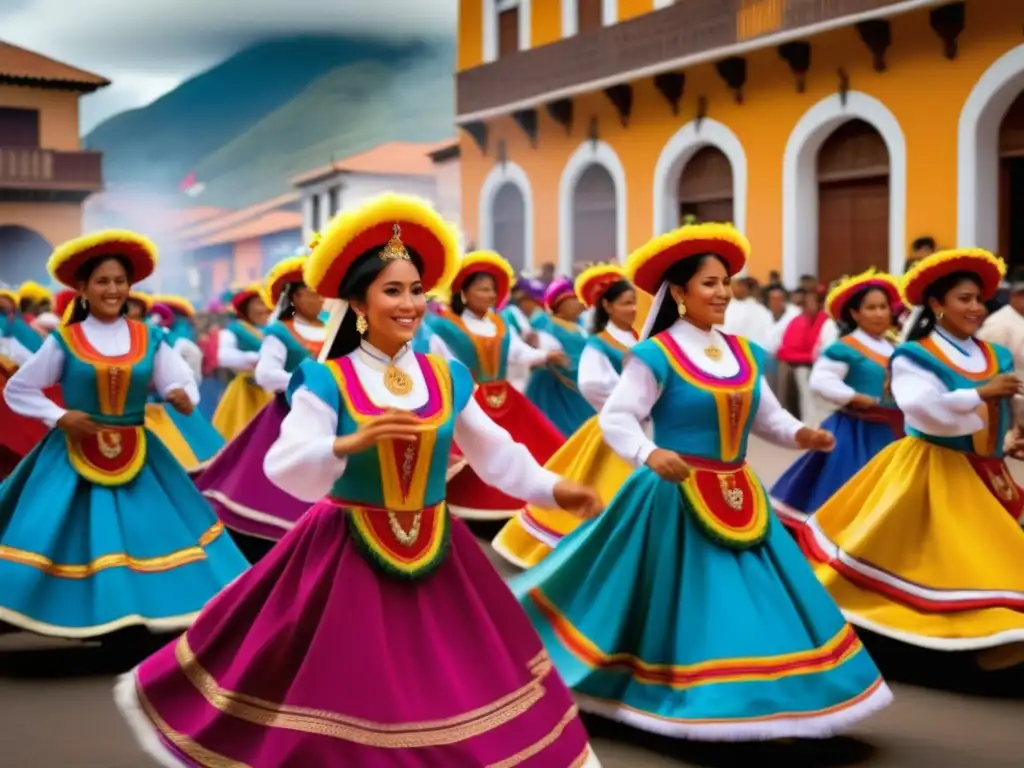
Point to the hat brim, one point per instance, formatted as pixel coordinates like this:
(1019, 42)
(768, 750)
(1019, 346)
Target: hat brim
(989, 269)
(647, 266)
(139, 251)
(489, 264)
(239, 300)
(276, 286)
(370, 226)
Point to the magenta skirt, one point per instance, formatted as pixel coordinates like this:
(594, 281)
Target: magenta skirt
(313, 657)
(245, 500)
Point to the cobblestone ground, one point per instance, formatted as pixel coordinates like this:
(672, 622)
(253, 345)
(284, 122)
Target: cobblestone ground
(56, 711)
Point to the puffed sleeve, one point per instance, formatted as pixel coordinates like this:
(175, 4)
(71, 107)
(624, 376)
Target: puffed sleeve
(596, 377)
(627, 407)
(521, 353)
(230, 356)
(191, 354)
(772, 422)
(301, 462)
(17, 351)
(270, 372)
(827, 380)
(171, 372)
(932, 407)
(24, 390)
(499, 460)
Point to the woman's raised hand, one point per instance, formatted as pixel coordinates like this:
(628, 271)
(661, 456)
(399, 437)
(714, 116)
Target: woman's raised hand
(390, 425)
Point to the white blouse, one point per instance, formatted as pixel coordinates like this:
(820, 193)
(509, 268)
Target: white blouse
(231, 357)
(191, 354)
(596, 377)
(621, 419)
(24, 391)
(270, 372)
(302, 461)
(15, 350)
(827, 375)
(519, 352)
(927, 404)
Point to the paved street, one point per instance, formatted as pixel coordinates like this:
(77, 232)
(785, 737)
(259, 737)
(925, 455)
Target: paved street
(56, 711)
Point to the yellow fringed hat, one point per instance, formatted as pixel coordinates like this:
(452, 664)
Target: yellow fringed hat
(401, 221)
(33, 291)
(647, 265)
(139, 251)
(142, 298)
(849, 287)
(988, 267)
(7, 293)
(242, 296)
(177, 304)
(282, 273)
(490, 263)
(593, 281)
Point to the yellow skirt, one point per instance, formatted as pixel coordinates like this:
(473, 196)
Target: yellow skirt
(158, 421)
(242, 400)
(918, 547)
(530, 536)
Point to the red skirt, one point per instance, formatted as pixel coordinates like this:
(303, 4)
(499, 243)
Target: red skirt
(18, 434)
(470, 497)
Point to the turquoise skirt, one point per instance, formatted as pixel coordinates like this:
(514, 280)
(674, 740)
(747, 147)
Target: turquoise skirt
(565, 408)
(81, 560)
(653, 623)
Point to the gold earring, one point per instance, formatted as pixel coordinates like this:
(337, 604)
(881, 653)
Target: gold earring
(85, 303)
(361, 324)
(940, 315)
(681, 307)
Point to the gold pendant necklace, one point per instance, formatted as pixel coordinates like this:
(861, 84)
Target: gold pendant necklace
(396, 381)
(713, 352)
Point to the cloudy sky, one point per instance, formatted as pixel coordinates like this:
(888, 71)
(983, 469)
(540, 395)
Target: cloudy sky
(147, 47)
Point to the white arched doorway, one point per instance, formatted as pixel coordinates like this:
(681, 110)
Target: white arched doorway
(979, 164)
(578, 204)
(678, 151)
(494, 222)
(510, 225)
(800, 180)
(23, 255)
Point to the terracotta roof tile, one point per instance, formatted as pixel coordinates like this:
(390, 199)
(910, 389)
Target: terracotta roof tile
(402, 158)
(266, 224)
(26, 67)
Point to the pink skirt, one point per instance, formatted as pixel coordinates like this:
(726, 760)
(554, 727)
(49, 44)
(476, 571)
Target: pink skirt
(314, 657)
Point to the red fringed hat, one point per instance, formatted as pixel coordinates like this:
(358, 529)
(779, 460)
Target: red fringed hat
(647, 265)
(138, 250)
(239, 299)
(989, 268)
(849, 287)
(594, 281)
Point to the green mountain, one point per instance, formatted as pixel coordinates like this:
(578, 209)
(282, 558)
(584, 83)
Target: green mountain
(277, 109)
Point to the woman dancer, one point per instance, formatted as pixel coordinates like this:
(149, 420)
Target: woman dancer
(350, 633)
(531, 535)
(238, 350)
(851, 373)
(525, 299)
(255, 509)
(685, 609)
(471, 332)
(553, 388)
(100, 529)
(944, 490)
(139, 306)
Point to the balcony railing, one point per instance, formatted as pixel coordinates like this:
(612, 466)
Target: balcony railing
(31, 168)
(684, 29)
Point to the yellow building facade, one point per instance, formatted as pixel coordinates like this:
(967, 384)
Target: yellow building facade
(832, 133)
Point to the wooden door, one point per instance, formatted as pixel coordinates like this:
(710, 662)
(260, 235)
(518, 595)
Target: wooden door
(594, 217)
(589, 14)
(705, 187)
(508, 32)
(509, 217)
(853, 227)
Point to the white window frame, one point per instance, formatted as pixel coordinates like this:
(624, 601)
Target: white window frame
(491, 10)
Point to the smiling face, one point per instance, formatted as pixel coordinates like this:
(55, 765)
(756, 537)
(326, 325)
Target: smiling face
(622, 309)
(256, 311)
(106, 289)
(394, 305)
(706, 294)
(480, 295)
(570, 308)
(962, 310)
(874, 316)
(308, 303)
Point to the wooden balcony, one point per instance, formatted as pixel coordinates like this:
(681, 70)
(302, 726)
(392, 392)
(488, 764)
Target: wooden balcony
(30, 169)
(636, 48)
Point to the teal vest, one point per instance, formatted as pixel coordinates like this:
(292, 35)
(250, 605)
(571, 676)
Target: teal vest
(926, 354)
(572, 338)
(606, 344)
(249, 336)
(297, 352)
(486, 357)
(867, 371)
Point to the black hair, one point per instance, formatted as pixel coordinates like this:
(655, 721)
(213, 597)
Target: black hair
(923, 242)
(80, 311)
(679, 274)
(354, 285)
(847, 324)
(458, 306)
(287, 304)
(937, 290)
(614, 291)
(243, 308)
(772, 287)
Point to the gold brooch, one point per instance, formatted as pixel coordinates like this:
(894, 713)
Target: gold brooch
(395, 249)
